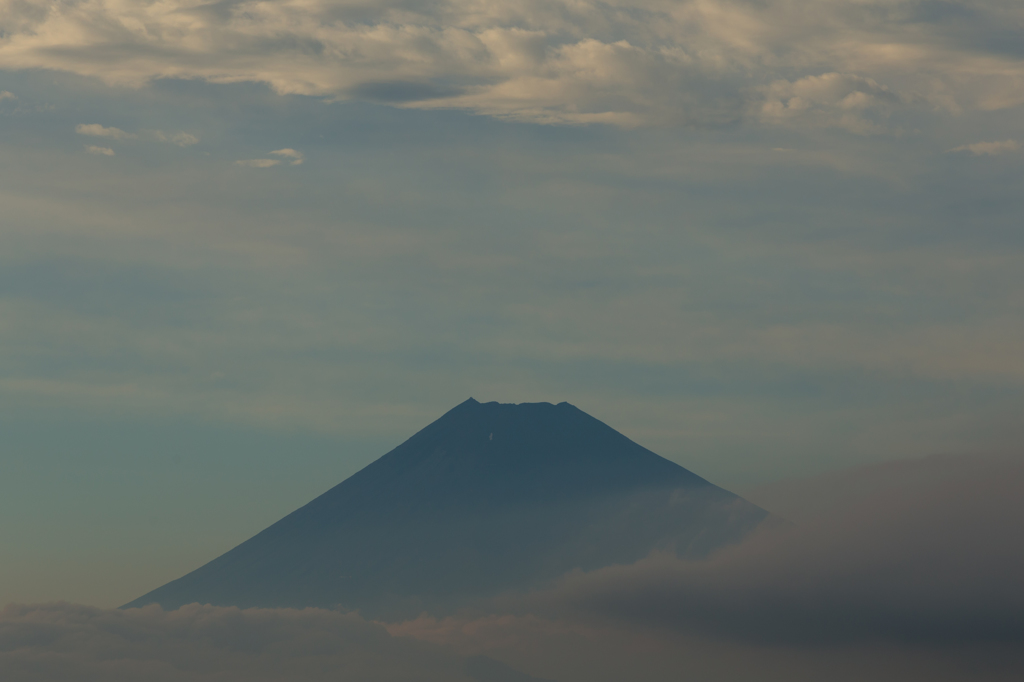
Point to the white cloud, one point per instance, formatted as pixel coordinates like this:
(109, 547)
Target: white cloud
(837, 100)
(295, 156)
(988, 148)
(96, 130)
(626, 62)
(4, 94)
(180, 139)
(105, 151)
(258, 163)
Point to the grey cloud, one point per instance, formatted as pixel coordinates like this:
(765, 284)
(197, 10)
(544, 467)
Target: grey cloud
(900, 571)
(81, 644)
(988, 148)
(257, 163)
(578, 650)
(931, 560)
(484, 668)
(976, 26)
(399, 92)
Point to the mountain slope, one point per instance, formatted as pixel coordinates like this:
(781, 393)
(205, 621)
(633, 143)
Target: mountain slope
(488, 498)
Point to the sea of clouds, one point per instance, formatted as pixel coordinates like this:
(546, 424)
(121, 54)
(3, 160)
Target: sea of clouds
(897, 571)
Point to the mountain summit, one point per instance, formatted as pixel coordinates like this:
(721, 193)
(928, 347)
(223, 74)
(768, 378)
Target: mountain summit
(488, 498)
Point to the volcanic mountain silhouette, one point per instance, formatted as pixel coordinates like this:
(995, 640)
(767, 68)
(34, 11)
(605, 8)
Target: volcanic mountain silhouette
(489, 498)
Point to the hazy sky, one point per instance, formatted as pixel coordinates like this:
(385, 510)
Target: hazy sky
(247, 247)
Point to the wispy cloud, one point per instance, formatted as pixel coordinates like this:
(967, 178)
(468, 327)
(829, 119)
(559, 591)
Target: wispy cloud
(97, 130)
(4, 94)
(180, 139)
(258, 163)
(295, 156)
(988, 148)
(105, 151)
(287, 153)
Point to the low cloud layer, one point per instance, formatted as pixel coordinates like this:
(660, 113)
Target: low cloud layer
(934, 559)
(838, 63)
(912, 571)
(906, 571)
(81, 644)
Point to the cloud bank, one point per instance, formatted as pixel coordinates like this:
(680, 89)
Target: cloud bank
(82, 644)
(835, 63)
(911, 571)
(933, 560)
(912, 574)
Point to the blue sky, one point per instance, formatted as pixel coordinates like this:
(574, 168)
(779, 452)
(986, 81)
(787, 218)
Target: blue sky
(249, 247)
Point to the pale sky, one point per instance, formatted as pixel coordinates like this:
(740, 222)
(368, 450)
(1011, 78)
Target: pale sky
(248, 247)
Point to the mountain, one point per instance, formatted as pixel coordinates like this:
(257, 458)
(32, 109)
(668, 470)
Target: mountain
(489, 498)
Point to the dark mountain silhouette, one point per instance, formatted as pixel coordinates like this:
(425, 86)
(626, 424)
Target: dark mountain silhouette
(488, 498)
